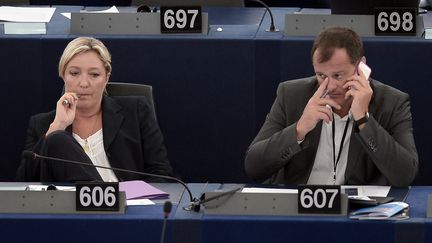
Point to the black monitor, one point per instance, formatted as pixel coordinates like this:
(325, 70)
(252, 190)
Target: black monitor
(366, 7)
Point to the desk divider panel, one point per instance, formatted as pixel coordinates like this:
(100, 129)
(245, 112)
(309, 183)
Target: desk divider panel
(312, 24)
(122, 23)
(276, 204)
(55, 202)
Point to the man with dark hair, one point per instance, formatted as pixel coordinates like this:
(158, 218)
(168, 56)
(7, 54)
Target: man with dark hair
(338, 127)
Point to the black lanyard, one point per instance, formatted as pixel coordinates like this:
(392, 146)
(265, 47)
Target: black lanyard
(336, 161)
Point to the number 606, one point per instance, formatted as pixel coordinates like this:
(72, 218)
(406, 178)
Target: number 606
(92, 196)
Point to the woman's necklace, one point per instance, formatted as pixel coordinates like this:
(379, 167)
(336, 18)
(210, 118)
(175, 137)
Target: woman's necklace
(86, 145)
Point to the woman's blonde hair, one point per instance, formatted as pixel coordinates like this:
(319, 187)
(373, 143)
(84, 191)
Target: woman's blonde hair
(81, 45)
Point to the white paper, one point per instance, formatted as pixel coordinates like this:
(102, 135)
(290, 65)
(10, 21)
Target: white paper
(13, 188)
(365, 198)
(20, 28)
(370, 191)
(26, 14)
(113, 9)
(428, 33)
(267, 190)
(67, 15)
(44, 188)
(134, 202)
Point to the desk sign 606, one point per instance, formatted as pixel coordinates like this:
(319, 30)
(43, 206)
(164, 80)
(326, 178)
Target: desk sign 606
(319, 199)
(97, 196)
(181, 19)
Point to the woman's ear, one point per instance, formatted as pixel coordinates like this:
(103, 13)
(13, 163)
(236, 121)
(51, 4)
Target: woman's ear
(108, 77)
(64, 86)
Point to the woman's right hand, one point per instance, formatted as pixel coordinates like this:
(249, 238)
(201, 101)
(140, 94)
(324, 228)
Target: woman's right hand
(65, 112)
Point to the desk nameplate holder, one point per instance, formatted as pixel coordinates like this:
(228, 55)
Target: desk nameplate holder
(55, 202)
(122, 23)
(277, 204)
(312, 24)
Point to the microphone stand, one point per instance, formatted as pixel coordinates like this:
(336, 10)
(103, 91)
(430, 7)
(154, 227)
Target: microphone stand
(32, 155)
(222, 194)
(196, 205)
(167, 210)
(272, 25)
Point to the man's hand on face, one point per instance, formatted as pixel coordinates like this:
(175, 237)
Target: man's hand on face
(318, 108)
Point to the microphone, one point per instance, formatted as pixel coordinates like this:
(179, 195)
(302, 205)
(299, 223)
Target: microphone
(166, 210)
(196, 204)
(144, 9)
(272, 26)
(33, 156)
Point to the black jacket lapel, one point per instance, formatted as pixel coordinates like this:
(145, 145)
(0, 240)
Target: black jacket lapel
(111, 121)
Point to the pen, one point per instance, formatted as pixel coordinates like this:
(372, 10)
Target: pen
(324, 94)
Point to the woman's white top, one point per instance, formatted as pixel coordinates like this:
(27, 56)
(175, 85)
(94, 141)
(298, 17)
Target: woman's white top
(94, 148)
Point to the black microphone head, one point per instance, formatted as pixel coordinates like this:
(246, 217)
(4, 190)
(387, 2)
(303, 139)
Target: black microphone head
(167, 207)
(51, 187)
(28, 154)
(143, 9)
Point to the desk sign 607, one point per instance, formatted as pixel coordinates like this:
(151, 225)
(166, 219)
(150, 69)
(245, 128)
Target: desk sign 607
(319, 199)
(97, 196)
(181, 19)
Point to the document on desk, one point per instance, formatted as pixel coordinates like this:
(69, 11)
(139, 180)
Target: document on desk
(26, 14)
(13, 188)
(387, 211)
(369, 191)
(140, 189)
(45, 188)
(113, 9)
(139, 202)
(268, 190)
(428, 33)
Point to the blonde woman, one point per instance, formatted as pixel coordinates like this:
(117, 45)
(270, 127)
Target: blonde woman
(89, 126)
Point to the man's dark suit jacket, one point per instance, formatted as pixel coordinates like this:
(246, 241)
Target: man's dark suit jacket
(382, 153)
(132, 140)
